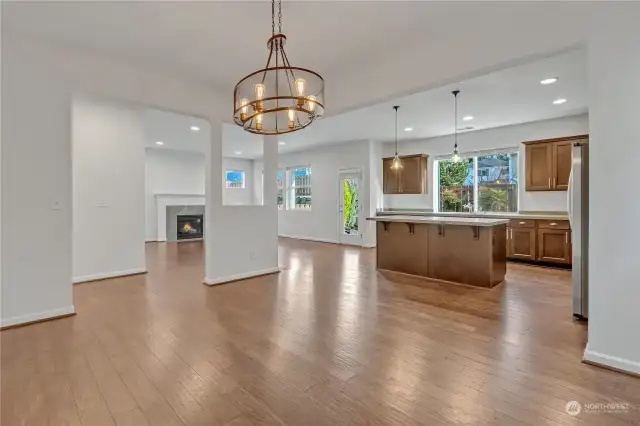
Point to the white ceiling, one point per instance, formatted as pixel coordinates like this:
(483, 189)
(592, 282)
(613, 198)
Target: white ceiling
(367, 51)
(501, 98)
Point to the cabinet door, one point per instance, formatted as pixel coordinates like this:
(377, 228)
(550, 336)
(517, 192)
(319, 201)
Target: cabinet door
(390, 178)
(554, 245)
(413, 175)
(562, 152)
(521, 243)
(539, 167)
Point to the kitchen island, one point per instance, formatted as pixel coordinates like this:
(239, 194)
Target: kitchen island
(468, 251)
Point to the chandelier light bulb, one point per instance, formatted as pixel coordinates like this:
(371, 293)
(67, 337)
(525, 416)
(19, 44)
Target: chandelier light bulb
(243, 104)
(300, 86)
(292, 117)
(259, 122)
(311, 100)
(259, 90)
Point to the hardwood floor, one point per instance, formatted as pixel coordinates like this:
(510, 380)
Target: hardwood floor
(329, 341)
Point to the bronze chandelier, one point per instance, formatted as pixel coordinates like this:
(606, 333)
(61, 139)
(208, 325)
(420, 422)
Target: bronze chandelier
(278, 98)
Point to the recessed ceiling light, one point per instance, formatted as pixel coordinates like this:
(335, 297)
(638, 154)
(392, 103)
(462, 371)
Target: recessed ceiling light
(559, 101)
(408, 129)
(159, 143)
(467, 118)
(549, 80)
(195, 128)
(282, 143)
(238, 152)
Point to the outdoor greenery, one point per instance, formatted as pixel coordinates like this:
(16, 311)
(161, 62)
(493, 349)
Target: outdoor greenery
(452, 185)
(350, 206)
(492, 199)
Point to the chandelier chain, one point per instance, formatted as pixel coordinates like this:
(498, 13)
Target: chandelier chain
(273, 17)
(280, 16)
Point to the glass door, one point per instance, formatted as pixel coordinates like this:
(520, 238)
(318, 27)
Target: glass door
(349, 208)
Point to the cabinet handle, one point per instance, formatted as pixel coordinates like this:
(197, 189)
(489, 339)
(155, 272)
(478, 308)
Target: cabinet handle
(523, 223)
(566, 238)
(554, 182)
(549, 183)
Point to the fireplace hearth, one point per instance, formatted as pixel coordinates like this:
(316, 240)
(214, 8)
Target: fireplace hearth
(190, 227)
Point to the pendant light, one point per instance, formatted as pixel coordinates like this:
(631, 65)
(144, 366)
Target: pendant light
(396, 163)
(455, 157)
(278, 98)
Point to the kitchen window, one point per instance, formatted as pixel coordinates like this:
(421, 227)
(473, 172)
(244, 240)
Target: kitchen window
(484, 181)
(235, 178)
(299, 188)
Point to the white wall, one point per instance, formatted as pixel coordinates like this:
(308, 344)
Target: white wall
(108, 189)
(614, 232)
(502, 137)
(38, 82)
(321, 222)
(170, 172)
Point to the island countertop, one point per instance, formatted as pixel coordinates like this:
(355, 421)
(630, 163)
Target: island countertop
(441, 220)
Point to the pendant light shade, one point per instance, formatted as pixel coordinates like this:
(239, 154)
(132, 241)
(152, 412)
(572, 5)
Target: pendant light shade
(396, 163)
(455, 157)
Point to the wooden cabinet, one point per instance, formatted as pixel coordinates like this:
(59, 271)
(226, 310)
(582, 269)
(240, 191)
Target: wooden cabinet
(410, 179)
(539, 240)
(548, 163)
(521, 243)
(538, 167)
(554, 245)
(562, 153)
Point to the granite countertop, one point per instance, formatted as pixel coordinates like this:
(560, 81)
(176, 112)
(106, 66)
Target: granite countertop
(469, 221)
(519, 215)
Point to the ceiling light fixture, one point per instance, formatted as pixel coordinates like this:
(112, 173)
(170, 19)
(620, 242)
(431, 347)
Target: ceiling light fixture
(282, 143)
(238, 152)
(559, 101)
(396, 164)
(549, 80)
(278, 98)
(195, 128)
(159, 143)
(467, 118)
(408, 129)
(455, 157)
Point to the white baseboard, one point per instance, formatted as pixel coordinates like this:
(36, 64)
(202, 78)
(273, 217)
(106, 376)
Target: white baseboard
(368, 246)
(21, 319)
(237, 277)
(319, 240)
(150, 240)
(105, 275)
(612, 361)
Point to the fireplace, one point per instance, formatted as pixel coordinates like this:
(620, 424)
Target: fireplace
(190, 226)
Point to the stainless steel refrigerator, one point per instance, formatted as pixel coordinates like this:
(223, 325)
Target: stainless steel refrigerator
(578, 208)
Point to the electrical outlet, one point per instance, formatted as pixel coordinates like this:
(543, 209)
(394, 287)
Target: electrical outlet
(57, 205)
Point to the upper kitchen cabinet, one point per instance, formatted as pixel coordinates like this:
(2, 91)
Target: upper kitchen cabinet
(410, 179)
(548, 163)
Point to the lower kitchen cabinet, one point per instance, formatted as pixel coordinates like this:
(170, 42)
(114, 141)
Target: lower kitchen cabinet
(521, 243)
(546, 241)
(554, 245)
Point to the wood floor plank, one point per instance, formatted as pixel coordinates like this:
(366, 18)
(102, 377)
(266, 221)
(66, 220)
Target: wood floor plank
(328, 341)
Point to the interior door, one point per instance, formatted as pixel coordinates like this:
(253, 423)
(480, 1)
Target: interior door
(349, 208)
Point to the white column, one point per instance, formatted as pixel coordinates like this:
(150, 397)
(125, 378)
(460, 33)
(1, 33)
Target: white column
(240, 241)
(614, 204)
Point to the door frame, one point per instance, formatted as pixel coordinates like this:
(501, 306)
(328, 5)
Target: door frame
(353, 240)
